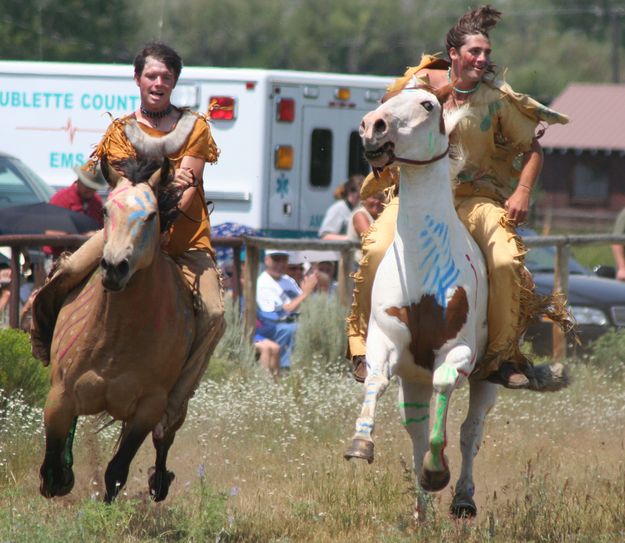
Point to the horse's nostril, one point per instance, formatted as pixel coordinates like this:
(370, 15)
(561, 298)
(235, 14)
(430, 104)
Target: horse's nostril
(122, 268)
(104, 264)
(379, 127)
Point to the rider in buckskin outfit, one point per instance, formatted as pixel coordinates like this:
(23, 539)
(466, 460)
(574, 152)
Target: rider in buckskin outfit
(156, 129)
(499, 144)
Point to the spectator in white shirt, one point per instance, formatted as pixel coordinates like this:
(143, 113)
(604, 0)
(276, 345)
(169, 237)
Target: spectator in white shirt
(278, 298)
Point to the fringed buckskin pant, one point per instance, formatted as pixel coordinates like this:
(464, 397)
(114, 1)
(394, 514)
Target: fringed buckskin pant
(204, 279)
(511, 300)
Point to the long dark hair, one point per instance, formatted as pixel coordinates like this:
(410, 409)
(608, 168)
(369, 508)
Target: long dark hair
(477, 21)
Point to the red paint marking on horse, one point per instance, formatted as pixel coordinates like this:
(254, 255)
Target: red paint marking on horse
(69, 324)
(474, 274)
(117, 192)
(73, 340)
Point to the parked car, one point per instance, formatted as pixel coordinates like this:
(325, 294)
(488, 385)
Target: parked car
(597, 303)
(19, 184)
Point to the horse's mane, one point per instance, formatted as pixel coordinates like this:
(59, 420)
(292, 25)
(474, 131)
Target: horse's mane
(139, 170)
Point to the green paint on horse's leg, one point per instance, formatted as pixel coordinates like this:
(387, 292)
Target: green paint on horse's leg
(68, 456)
(438, 434)
(414, 405)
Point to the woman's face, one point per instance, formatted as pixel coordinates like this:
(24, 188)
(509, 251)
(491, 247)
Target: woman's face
(374, 205)
(472, 60)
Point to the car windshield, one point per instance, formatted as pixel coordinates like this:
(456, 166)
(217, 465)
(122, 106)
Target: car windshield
(542, 259)
(19, 185)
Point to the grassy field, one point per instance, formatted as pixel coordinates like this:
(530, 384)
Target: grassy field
(262, 461)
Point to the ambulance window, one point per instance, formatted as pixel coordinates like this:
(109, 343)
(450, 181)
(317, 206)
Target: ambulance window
(321, 157)
(357, 162)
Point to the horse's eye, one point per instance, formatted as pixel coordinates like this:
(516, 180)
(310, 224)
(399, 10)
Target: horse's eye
(429, 106)
(150, 217)
(105, 213)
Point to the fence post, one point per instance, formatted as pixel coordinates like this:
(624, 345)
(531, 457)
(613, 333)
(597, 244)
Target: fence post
(249, 287)
(14, 288)
(561, 286)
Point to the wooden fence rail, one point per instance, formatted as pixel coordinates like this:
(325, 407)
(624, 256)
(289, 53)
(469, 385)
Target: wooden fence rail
(254, 246)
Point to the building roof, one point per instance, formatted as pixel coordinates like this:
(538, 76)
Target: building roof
(597, 118)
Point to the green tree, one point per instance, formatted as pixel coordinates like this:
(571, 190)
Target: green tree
(66, 30)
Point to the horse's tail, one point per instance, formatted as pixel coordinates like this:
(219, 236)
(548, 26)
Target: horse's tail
(550, 378)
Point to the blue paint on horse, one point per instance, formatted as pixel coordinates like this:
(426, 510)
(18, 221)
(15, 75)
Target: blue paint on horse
(442, 271)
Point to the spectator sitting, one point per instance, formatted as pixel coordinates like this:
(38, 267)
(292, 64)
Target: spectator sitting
(278, 297)
(82, 195)
(363, 217)
(337, 217)
(326, 280)
(298, 266)
(268, 351)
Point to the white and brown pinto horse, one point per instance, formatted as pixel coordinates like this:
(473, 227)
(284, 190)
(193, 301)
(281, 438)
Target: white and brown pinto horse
(121, 337)
(429, 301)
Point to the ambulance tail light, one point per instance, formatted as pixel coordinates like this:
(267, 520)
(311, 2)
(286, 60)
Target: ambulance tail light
(283, 157)
(222, 108)
(342, 93)
(285, 112)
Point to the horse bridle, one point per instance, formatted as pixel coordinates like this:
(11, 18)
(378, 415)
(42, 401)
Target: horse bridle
(393, 158)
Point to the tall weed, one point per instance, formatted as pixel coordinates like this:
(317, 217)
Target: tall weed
(320, 340)
(608, 353)
(234, 352)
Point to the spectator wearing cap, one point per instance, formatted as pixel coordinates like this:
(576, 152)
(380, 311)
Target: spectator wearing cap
(82, 195)
(278, 297)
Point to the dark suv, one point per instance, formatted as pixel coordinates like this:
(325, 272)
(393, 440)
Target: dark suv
(597, 303)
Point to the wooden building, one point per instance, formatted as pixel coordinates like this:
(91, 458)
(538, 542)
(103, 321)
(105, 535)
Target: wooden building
(582, 185)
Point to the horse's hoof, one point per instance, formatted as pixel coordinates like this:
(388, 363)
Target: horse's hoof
(68, 483)
(433, 481)
(49, 488)
(159, 482)
(360, 448)
(463, 507)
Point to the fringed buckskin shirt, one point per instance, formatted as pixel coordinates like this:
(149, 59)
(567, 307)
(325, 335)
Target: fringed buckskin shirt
(191, 230)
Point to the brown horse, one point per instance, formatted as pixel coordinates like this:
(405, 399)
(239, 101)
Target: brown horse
(121, 337)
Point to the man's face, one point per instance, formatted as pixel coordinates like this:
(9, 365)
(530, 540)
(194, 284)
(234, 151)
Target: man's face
(85, 192)
(276, 265)
(156, 84)
(326, 267)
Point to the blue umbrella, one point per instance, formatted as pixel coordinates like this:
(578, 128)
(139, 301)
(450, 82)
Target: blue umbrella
(227, 229)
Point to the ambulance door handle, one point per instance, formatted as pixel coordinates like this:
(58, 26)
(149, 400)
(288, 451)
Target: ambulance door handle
(287, 209)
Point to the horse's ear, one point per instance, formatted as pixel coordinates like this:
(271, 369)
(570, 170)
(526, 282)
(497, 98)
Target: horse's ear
(443, 93)
(161, 176)
(167, 171)
(109, 173)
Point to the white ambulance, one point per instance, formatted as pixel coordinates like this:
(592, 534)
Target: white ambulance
(287, 138)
